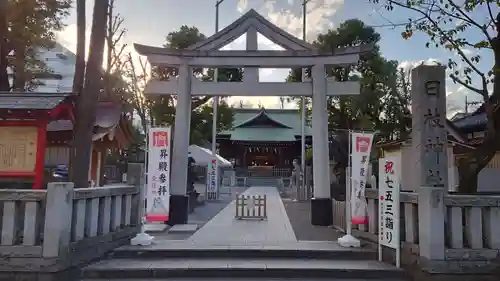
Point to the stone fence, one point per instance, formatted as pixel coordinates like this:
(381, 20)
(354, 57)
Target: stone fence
(471, 236)
(47, 231)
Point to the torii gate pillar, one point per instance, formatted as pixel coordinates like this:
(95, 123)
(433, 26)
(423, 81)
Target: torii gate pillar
(178, 213)
(321, 203)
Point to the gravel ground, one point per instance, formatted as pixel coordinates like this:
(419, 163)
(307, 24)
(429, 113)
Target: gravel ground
(299, 214)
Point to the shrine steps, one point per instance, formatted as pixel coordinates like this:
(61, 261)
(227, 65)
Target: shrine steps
(240, 262)
(262, 181)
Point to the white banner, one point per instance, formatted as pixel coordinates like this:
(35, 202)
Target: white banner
(361, 145)
(158, 188)
(388, 208)
(212, 180)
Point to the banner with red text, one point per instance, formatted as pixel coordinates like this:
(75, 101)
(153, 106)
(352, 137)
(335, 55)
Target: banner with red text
(361, 145)
(388, 207)
(158, 187)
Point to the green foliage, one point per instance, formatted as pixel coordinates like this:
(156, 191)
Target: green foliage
(383, 104)
(463, 28)
(32, 25)
(185, 37)
(202, 118)
(160, 110)
(469, 29)
(384, 101)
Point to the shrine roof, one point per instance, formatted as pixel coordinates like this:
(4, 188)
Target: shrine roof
(262, 115)
(263, 134)
(107, 116)
(472, 122)
(287, 121)
(31, 101)
(454, 137)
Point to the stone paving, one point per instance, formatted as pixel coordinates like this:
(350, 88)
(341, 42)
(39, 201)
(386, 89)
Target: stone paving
(224, 229)
(202, 214)
(258, 250)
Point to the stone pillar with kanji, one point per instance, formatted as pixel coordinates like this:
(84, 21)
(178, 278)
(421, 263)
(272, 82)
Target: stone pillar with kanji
(429, 143)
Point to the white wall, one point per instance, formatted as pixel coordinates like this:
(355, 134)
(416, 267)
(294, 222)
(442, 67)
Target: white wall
(410, 167)
(60, 61)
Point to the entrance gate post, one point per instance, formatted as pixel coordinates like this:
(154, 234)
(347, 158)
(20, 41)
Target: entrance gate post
(178, 213)
(321, 203)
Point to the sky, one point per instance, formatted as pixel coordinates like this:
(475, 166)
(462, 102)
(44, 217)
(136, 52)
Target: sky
(149, 21)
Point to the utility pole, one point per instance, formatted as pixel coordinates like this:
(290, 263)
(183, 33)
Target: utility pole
(215, 104)
(303, 113)
(468, 103)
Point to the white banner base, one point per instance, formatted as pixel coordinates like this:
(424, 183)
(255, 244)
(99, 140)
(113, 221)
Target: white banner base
(142, 238)
(349, 241)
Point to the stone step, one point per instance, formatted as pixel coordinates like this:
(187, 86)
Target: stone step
(297, 250)
(247, 279)
(245, 253)
(238, 268)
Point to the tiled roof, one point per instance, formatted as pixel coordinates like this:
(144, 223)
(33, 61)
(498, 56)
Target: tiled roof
(451, 128)
(288, 117)
(107, 116)
(471, 121)
(262, 134)
(60, 125)
(262, 115)
(31, 101)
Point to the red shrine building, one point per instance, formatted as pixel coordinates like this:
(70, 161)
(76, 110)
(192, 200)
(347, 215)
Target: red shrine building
(263, 140)
(36, 130)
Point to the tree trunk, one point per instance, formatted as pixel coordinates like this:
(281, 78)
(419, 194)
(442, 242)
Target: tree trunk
(87, 103)
(467, 177)
(475, 160)
(79, 76)
(4, 78)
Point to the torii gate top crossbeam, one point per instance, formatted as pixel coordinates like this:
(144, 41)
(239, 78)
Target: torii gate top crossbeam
(173, 57)
(298, 53)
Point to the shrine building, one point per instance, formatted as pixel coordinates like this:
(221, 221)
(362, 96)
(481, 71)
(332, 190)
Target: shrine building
(265, 138)
(36, 131)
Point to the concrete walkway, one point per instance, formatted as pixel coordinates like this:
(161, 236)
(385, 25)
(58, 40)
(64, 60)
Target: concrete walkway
(225, 230)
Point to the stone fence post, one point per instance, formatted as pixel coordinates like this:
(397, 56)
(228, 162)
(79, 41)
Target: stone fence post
(431, 217)
(136, 176)
(58, 215)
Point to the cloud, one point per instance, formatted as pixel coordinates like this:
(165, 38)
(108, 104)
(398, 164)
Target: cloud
(468, 52)
(242, 5)
(455, 93)
(409, 65)
(285, 15)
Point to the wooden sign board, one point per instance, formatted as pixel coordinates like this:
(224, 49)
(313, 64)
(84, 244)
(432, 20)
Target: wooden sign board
(18, 147)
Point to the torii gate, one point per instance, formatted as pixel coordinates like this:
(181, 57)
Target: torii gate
(207, 54)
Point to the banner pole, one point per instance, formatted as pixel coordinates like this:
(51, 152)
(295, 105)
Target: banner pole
(348, 188)
(348, 240)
